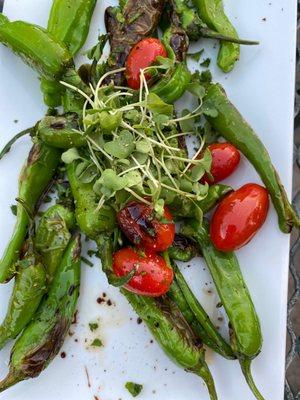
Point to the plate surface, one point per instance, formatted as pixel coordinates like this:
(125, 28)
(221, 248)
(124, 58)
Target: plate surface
(262, 87)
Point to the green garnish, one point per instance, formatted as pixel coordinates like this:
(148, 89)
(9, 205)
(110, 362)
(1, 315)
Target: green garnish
(93, 326)
(14, 209)
(134, 388)
(133, 147)
(97, 343)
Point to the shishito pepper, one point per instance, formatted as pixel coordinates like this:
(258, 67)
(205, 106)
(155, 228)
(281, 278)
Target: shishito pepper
(213, 14)
(53, 235)
(172, 332)
(173, 85)
(29, 288)
(91, 221)
(69, 22)
(246, 337)
(232, 126)
(61, 131)
(37, 48)
(43, 337)
(36, 175)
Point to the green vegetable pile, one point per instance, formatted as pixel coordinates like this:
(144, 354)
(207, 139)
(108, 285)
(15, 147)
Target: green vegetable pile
(107, 145)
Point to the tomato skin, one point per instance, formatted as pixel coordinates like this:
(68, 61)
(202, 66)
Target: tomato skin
(153, 276)
(239, 216)
(225, 159)
(142, 55)
(137, 221)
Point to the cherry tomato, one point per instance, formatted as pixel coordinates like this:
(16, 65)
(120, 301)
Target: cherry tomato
(142, 55)
(153, 276)
(225, 159)
(138, 222)
(239, 216)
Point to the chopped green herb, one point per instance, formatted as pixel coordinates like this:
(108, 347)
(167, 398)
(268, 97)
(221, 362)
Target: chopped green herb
(97, 343)
(134, 388)
(196, 56)
(14, 209)
(205, 63)
(93, 326)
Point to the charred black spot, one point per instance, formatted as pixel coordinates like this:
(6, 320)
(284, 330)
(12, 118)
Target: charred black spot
(34, 363)
(34, 154)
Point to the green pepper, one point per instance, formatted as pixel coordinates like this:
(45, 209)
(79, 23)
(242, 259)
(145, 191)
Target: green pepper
(176, 295)
(91, 221)
(201, 316)
(29, 288)
(174, 84)
(212, 13)
(37, 48)
(182, 249)
(53, 235)
(36, 175)
(235, 297)
(196, 28)
(69, 22)
(43, 337)
(232, 126)
(170, 329)
(61, 132)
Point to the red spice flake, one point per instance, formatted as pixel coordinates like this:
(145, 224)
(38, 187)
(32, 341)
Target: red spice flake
(63, 354)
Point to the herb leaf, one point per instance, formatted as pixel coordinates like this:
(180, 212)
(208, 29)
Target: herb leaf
(97, 343)
(121, 147)
(70, 155)
(134, 388)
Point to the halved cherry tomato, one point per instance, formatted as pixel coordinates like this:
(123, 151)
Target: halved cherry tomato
(239, 216)
(139, 224)
(142, 55)
(153, 276)
(225, 159)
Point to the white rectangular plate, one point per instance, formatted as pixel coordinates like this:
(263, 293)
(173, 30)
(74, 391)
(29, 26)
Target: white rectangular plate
(262, 87)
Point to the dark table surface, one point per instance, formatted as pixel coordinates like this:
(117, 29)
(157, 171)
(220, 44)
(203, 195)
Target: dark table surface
(293, 324)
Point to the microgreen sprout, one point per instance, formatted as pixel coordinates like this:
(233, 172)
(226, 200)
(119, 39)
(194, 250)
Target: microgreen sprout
(132, 141)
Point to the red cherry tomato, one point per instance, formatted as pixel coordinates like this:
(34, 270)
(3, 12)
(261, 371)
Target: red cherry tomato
(239, 216)
(153, 276)
(138, 222)
(225, 159)
(142, 55)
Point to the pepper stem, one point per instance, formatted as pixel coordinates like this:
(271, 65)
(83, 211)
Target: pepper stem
(246, 369)
(203, 371)
(11, 379)
(209, 33)
(8, 145)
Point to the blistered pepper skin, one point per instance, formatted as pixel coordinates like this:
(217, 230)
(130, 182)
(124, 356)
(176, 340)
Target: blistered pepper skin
(36, 175)
(39, 49)
(69, 22)
(43, 337)
(53, 236)
(29, 288)
(61, 132)
(90, 221)
(170, 329)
